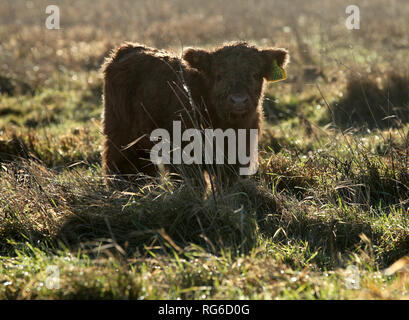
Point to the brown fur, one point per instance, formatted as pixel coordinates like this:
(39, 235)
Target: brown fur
(144, 90)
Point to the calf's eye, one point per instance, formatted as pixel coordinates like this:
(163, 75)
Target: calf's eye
(218, 77)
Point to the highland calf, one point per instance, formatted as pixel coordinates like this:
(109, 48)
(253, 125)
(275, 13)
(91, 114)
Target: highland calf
(146, 89)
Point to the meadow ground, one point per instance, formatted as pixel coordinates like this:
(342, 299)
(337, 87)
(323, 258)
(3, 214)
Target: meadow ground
(325, 217)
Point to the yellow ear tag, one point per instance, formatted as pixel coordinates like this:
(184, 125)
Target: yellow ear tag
(278, 73)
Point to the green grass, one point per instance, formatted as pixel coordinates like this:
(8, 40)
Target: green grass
(263, 273)
(331, 195)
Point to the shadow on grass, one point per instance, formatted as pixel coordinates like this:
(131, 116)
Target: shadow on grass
(157, 219)
(367, 103)
(81, 213)
(235, 222)
(275, 111)
(12, 86)
(52, 151)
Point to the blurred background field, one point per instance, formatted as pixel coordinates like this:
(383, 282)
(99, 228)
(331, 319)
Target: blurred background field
(332, 189)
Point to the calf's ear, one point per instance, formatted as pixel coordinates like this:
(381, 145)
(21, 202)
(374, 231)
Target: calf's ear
(274, 62)
(198, 59)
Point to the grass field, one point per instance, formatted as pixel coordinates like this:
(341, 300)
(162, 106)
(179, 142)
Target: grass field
(325, 217)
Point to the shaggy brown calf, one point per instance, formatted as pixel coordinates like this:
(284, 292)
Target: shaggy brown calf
(146, 89)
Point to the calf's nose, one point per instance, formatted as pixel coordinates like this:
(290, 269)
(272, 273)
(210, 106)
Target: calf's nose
(239, 99)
